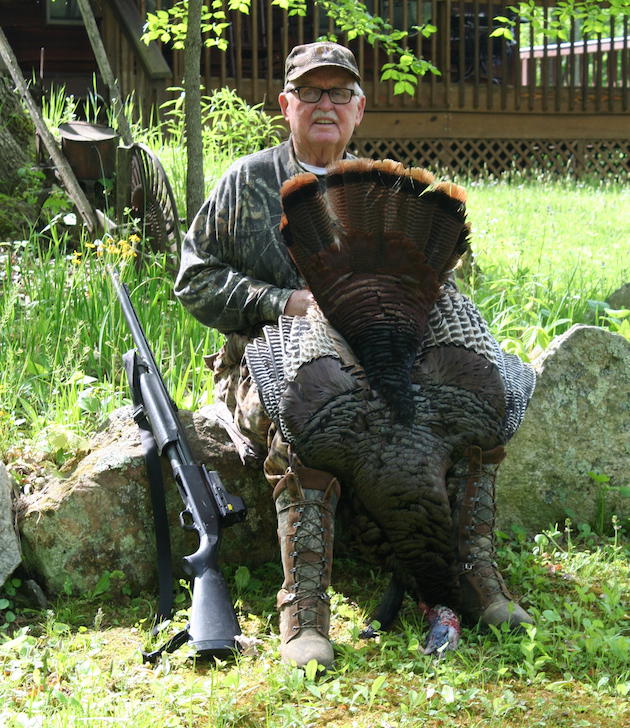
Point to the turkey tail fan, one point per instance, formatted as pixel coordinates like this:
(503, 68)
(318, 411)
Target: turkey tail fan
(461, 246)
(447, 226)
(305, 206)
(368, 195)
(357, 196)
(376, 261)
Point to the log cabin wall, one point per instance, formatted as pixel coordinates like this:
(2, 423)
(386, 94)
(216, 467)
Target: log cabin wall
(48, 50)
(141, 69)
(52, 47)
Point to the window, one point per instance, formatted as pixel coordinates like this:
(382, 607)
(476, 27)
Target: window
(63, 12)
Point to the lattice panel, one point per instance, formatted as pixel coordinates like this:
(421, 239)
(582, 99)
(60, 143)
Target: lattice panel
(480, 157)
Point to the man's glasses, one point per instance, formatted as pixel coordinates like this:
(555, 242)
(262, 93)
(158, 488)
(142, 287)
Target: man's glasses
(312, 94)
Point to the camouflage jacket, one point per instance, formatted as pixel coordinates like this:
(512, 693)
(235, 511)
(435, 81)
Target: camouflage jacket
(235, 272)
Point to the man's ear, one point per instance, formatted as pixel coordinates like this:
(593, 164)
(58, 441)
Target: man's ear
(283, 100)
(360, 111)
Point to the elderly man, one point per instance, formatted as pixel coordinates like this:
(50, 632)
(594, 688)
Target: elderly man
(236, 276)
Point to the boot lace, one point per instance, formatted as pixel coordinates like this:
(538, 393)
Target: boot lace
(310, 562)
(480, 533)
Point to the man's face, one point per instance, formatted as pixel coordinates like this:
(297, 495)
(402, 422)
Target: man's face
(322, 130)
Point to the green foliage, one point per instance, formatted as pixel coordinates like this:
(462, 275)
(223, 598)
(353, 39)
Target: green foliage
(604, 490)
(169, 26)
(60, 107)
(355, 19)
(110, 583)
(230, 128)
(78, 662)
(18, 208)
(7, 606)
(591, 18)
(351, 17)
(62, 337)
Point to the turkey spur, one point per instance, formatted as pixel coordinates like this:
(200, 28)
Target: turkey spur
(394, 376)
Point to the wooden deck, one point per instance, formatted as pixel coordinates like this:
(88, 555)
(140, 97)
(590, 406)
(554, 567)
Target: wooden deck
(496, 104)
(478, 72)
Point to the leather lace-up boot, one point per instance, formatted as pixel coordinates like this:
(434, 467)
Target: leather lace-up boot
(306, 500)
(484, 596)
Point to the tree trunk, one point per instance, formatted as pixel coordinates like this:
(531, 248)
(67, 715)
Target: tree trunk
(17, 136)
(63, 168)
(192, 88)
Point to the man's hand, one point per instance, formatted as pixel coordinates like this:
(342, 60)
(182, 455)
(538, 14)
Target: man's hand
(298, 302)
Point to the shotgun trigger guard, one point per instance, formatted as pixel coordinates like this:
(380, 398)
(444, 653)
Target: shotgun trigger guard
(185, 521)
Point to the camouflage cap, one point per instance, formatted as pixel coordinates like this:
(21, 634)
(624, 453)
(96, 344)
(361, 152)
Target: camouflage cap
(305, 58)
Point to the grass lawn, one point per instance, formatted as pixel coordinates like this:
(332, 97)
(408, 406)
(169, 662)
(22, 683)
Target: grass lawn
(576, 234)
(79, 662)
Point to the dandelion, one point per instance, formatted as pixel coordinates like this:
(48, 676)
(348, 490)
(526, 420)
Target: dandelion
(76, 259)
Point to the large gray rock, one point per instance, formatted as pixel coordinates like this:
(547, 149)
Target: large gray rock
(578, 422)
(9, 545)
(620, 298)
(99, 518)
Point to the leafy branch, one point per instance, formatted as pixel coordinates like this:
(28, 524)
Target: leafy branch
(350, 17)
(593, 17)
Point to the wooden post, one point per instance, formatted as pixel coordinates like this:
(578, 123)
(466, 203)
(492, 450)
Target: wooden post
(63, 168)
(106, 70)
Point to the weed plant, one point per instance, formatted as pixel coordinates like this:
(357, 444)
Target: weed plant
(62, 335)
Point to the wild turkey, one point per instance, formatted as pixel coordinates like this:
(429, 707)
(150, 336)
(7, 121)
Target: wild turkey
(388, 381)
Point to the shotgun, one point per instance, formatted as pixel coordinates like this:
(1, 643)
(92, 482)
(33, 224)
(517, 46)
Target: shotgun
(208, 507)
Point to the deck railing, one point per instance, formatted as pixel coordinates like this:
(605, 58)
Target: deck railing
(598, 66)
(497, 105)
(477, 71)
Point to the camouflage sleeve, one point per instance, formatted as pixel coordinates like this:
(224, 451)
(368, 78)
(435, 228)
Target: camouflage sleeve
(234, 273)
